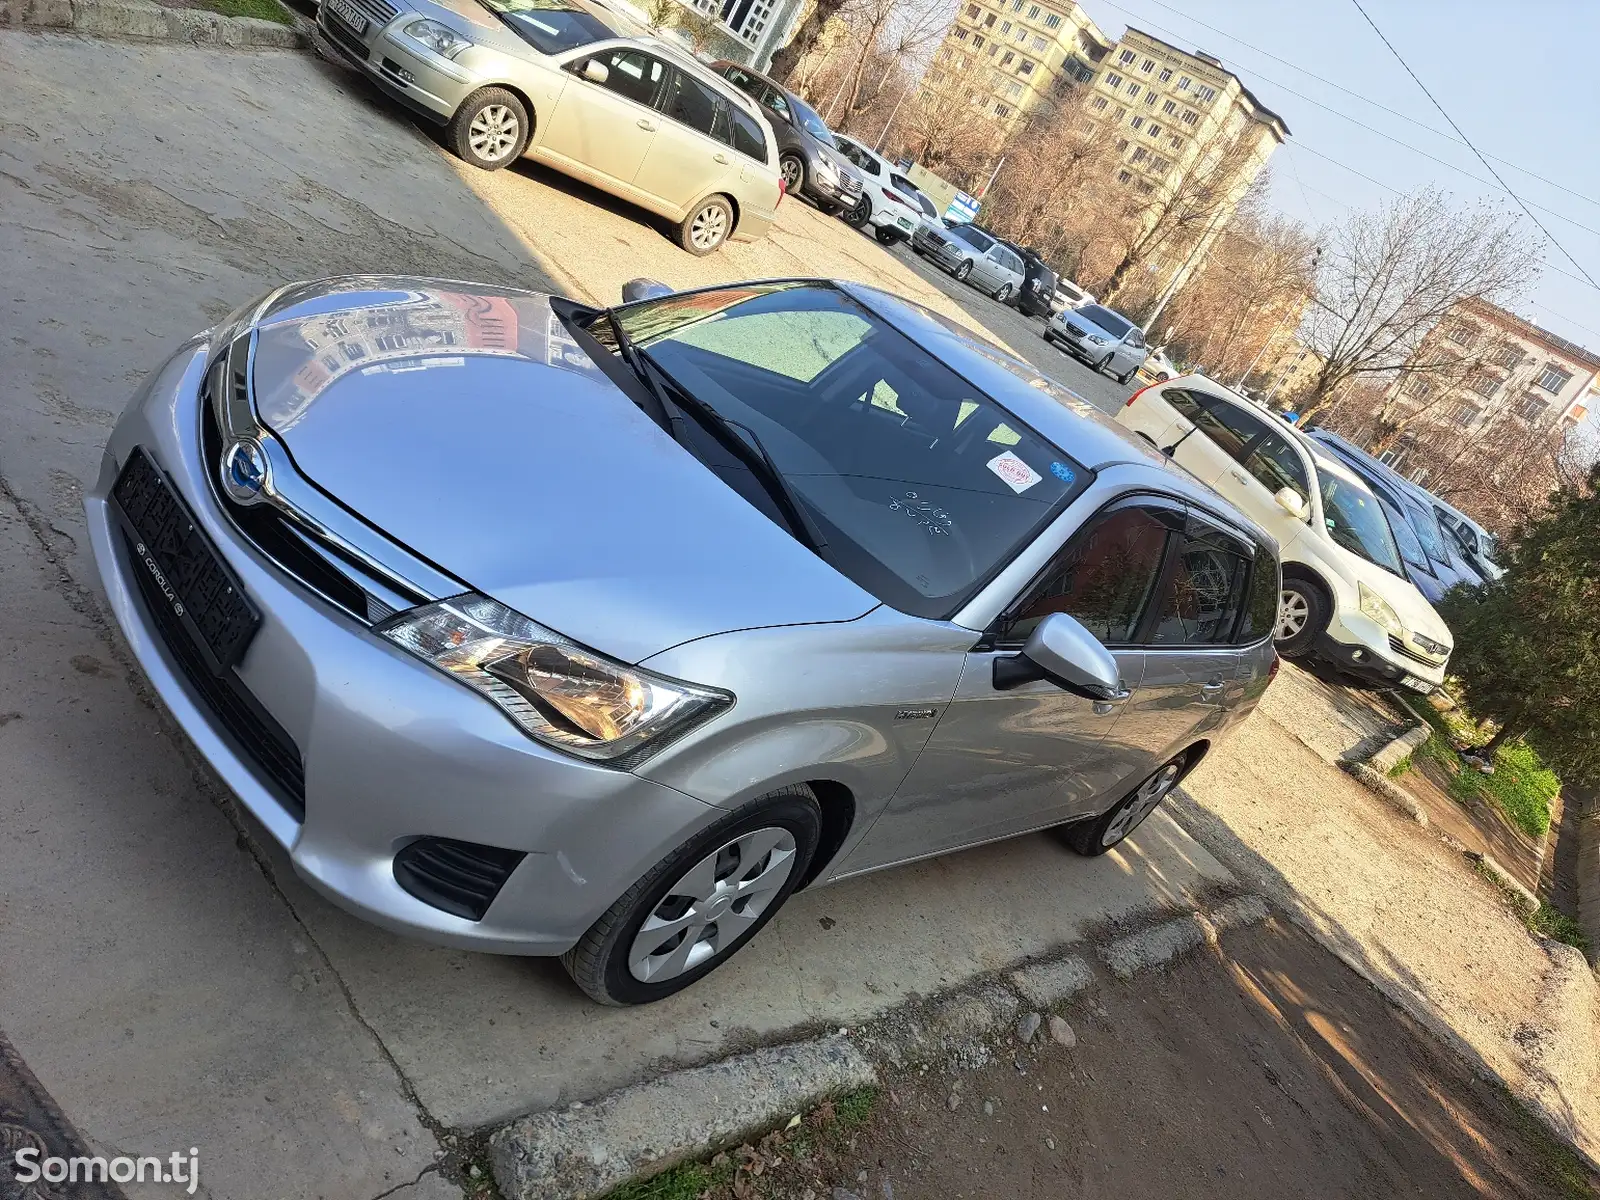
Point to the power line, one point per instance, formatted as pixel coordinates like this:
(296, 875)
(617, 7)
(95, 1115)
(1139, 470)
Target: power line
(1462, 134)
(1433, 129)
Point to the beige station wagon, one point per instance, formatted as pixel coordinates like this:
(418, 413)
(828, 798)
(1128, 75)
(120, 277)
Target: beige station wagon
(560, 81)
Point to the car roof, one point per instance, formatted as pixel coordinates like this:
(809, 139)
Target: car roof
(1056, 412)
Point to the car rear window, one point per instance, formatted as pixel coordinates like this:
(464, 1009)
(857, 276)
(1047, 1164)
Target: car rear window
(550, 26)
(923, 485)
(1109, 321)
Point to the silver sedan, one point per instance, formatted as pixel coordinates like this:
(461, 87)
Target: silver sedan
(535, 628)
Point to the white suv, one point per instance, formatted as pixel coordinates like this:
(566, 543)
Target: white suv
(1345, 595)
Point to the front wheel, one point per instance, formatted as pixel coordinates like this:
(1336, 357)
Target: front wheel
(860, 214)
(490, 129)
(707, 226)
(1103, 364)
(1099, 834)
(1004, 294)
(1303, 613)
(963, 271)
(696, 908)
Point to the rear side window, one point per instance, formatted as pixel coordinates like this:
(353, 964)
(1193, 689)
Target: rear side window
(748, 136)
(1276, 465)
(697, 106)
(1208, 588)
(1186, 402)
(1228, 427)
(1105, 577)
(1261, 608)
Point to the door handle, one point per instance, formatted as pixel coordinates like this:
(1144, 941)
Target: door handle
(646, 123)
(719, 157)
(1240, 476)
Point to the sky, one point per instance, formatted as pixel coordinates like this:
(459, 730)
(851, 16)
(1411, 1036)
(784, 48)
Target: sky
(1519, 79)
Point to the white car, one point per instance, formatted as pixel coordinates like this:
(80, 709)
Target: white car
(1069, 295)
(1345, 596)
(888, 200)
(1158, 367)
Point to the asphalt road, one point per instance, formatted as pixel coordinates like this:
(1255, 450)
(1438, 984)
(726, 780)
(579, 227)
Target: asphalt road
(1022, 333)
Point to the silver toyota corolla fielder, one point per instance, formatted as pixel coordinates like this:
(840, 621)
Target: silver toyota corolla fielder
(541, 629)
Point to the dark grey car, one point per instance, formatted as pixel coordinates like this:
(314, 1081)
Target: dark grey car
(808, 158)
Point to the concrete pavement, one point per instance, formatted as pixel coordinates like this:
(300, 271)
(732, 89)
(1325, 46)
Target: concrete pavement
(165, 975)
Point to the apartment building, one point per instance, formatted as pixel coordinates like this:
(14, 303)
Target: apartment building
(1009, 57)
(1175, 113)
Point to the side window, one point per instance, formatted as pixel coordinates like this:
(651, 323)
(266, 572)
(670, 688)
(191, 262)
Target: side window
(776, 103)
(1186, 402)
(748, 136)
(697, 106)
(744, 82)
(1104, 577)
(1229, 428)
(1208, 587)
(1261, 606)
(631, 74)
(1136, 339)
(1276, 465)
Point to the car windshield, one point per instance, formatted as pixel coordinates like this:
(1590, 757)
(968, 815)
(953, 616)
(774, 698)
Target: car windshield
(975, 238)
(1429, 534)
(550, 26)
(1355, 522)
(1109, 321)
(1405, 537)
(810, 122)
(921, 485)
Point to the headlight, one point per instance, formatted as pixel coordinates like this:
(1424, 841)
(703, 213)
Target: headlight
(1379, 609)
(558, 692)
(826, 168)
(441, 39)
(1098, 340)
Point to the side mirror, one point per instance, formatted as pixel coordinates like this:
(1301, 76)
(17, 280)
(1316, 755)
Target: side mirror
(1061, 649)
(643, 289)
(1292, 502)
(596, 71)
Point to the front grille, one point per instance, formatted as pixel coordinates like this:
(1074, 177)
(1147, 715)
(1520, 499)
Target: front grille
(344, 38)
(462, 878)
(380, 11)
(1074, 330)
(852, 184)
(1399, 647)
(252, 730)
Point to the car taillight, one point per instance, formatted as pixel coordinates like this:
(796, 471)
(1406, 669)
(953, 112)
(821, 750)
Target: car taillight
(896, 197)
(1129, 402)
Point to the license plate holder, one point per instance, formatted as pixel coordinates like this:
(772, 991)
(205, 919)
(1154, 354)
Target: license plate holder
(348, 15)
(203, 593)
(1417, 685)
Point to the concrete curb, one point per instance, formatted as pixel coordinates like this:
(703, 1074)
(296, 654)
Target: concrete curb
(1527, 900)
(1400, 748)
(1381, 785)
(150, 22)
(587, 1150)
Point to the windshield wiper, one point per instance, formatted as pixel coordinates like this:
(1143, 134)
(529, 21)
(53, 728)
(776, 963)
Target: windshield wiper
(629, 353)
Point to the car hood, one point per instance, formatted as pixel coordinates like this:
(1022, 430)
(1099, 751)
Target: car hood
(1409, 604)
(464, 422)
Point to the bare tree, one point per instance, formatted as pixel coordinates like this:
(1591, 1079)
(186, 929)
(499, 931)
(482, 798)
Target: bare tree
(1388, 276)
(1055, 185)
(944, 128)
(806, 36)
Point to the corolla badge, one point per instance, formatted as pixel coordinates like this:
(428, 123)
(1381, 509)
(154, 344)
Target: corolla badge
(245, 471)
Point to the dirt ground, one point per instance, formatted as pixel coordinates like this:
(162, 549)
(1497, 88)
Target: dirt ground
(1263, 1069)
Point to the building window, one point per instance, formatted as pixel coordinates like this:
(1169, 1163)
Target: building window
(1113, 81)
(1148, 65)
(1020, 36)
(1158, 164)
(977, 41)
(1016, 5)
(1462, 333)
(1508, 356)
(1014, 90)
(1553, 378)
(1119, 114)
(1205, 94)
(1146, 187)
(1532, 408)
(1133, 90)
(1124, 176)
(993, 48)
(1139, 155)
(1005, 28)
(1149, 99)
(1154, 130)
(960, 35)
(1000, 110)
(1038, 44)
(988, 21)
(1485, 385)
(1183, 83)
(1137, 122)
(1418, 388)
(972, 12)
(1190, 116)
(1122, 144)
(1006, 61)
(1126, 57)
(1033, 12)
(1175, 142)
(1053, 21)
(1170, 108)
(1166, 75)
(1099, 104)
(1026, 68)
(1466, 415)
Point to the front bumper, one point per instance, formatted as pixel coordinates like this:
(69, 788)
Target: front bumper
(392, 750)
(820, 188)
(1370, 656)
(1076, 343)
(430, 85)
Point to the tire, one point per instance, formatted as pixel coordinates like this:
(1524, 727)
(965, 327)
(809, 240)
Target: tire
(496, 121)
(707, 226)
(961, 272)
(886, 237)
(1093, 837)
(1127, 377)
(787, 823)
(793, 169)
(860, 214)
(1293, 637)
(1003, 296)
(1100, 367)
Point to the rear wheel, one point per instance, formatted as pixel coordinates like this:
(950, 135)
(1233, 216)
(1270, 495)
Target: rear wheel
(1004, 294)
(1099, 834)
(490, 129)
(793, 170)
(1303, 613)
(696, 908)
(707, 226)
(887, 237)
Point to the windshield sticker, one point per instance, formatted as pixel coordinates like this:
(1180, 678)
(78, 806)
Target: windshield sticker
(925, 513)
(1062, 472)
(1018, 475)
